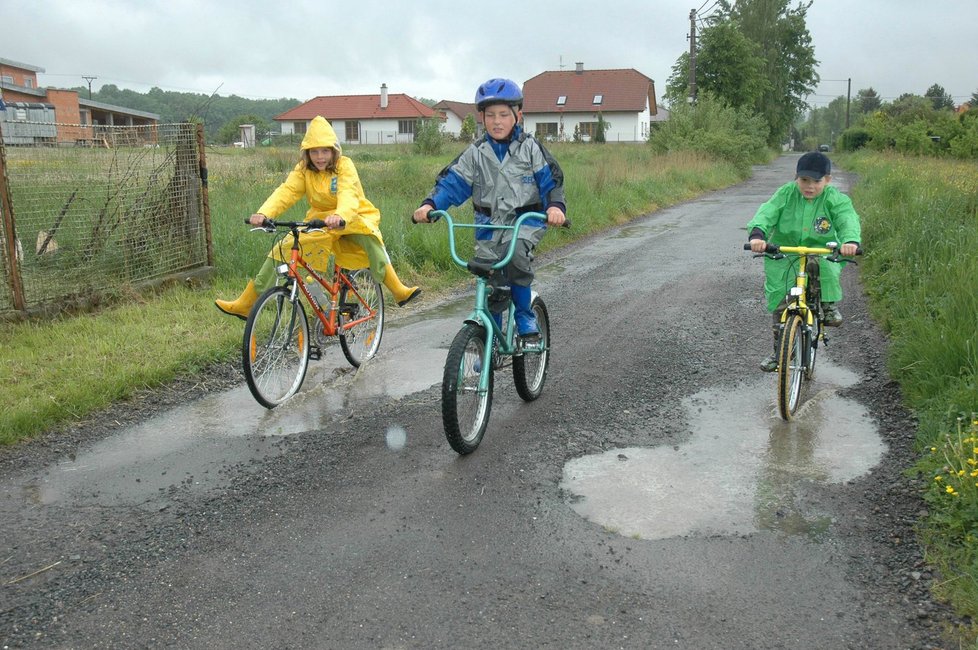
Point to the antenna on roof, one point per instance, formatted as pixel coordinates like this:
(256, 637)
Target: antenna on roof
(561, 64)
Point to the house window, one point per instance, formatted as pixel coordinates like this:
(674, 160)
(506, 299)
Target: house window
(28, 83)
(6, 78)
(298, 127)
(561, 100)
(546, 131)
(598, 99)
(352, 130)
(587, 129)
(406, 127)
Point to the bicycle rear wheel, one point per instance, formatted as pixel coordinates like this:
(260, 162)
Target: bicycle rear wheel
(275, 350)
(790, 366)
(530, 368)
(464, 408)
(361, 341)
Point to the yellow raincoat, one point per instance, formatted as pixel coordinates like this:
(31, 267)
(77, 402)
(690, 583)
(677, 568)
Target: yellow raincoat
(327, 193)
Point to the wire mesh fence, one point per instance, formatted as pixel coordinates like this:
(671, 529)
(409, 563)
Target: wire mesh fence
(124, 206)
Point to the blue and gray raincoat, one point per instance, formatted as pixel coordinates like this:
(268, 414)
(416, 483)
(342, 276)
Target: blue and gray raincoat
(504, 180)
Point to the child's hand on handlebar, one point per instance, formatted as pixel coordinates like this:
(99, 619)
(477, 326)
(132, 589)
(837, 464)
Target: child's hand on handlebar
(421, 214)
(848, 250)
(555, 216)
(758, 245)
(334, 221)
(257, 220)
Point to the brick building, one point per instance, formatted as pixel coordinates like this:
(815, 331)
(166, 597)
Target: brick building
(77, 120)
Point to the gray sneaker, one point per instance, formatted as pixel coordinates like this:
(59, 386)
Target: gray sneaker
(770, 363)
(832, 315)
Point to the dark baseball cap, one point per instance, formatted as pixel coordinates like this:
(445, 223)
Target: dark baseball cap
(814, 165)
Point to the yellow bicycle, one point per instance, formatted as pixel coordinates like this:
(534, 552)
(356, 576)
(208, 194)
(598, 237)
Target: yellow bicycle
(802, 321)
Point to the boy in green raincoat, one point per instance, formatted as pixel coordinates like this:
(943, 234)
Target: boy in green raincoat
(804, 212)
(330, 183)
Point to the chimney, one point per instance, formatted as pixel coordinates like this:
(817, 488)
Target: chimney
(580, 67)
(383, 95)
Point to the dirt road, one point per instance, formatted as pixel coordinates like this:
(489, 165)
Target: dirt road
(650, 499)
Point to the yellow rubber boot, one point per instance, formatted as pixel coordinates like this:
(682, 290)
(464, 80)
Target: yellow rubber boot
(403, 295)
(241, 306)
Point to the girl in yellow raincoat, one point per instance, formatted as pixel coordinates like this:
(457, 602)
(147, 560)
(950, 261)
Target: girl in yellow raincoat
(330, 183)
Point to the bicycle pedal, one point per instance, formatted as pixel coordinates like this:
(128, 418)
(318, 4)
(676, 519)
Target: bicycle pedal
(315, 353)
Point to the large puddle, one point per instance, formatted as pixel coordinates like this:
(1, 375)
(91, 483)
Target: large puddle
(742, 470)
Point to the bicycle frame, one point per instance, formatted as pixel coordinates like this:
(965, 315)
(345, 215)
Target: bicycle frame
(327, 315)
(798, 294)
(506, 343)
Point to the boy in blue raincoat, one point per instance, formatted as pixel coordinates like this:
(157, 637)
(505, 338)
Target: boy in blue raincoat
(805, 212)
(505, 173)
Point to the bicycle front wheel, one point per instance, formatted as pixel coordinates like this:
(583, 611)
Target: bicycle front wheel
(361, 341)
(464, 408)
(530, 368)
(275, 351)
(790, 366)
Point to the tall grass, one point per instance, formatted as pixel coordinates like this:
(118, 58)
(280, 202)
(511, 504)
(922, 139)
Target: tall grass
(920, 228)
(60, 370)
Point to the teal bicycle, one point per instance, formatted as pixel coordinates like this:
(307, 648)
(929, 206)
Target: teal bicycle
(483, 346)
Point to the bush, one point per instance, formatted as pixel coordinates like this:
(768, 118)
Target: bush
(428, 138)
(711, 126)
(853, 139)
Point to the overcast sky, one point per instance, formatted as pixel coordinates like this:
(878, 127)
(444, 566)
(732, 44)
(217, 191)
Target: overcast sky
(438, 49)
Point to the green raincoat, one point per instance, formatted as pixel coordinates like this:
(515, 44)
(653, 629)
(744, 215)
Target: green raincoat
(788, 219)
(327, 193)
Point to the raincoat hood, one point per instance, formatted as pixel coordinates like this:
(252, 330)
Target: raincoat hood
(320, 135)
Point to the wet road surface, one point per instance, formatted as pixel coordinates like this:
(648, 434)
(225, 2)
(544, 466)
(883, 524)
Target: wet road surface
(651, 498)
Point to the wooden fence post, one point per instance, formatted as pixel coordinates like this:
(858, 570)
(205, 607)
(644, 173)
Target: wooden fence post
(9, 233)
(204, 197)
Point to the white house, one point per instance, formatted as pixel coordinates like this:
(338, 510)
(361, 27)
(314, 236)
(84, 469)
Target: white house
(361, 119)
(455, 114)
(559, 104)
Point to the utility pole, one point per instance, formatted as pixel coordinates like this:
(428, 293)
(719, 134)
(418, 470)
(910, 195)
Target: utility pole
(848, 100)
(692, 56)
(89, 80)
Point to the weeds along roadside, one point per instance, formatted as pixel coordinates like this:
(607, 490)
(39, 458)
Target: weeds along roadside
(61, 370)
(920, 230)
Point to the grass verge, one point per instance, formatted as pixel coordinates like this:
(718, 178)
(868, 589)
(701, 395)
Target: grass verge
(920, 229)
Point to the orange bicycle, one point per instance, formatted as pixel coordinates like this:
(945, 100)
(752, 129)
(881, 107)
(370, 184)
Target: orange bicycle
(277, 345)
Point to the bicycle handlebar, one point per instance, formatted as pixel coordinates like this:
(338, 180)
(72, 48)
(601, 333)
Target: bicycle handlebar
(483, 268)
(831, 249)
(270, 225)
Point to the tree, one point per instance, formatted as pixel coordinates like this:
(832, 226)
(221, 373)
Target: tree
(785, 47)
(974, 99)
(601, 128)
(868, 100)
(755, 53)
(468, 130)
(728, 64)
(939, 97)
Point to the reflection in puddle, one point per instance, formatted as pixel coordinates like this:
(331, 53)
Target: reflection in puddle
(188, 446)
(741, 471)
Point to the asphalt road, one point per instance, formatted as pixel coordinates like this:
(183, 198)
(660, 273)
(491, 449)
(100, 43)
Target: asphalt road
(322, 535)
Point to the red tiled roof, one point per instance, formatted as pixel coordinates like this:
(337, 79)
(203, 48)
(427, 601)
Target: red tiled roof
(358, 107)
(621, 90)
(459, 108)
